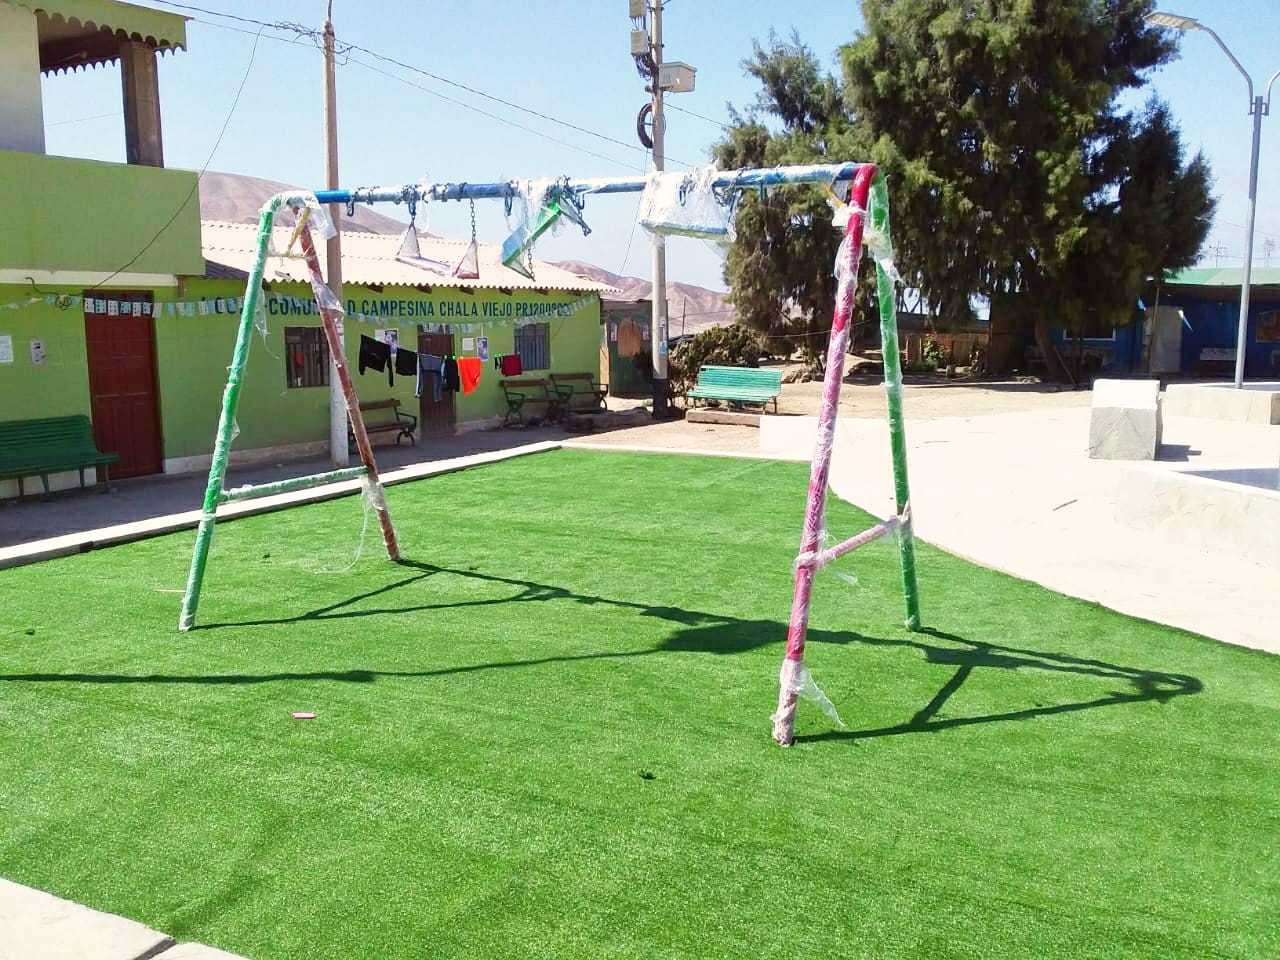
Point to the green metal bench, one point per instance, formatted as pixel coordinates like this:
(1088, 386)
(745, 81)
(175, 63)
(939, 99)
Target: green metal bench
(520, 392)
(738, 385)
(572, 386)
(30, 448)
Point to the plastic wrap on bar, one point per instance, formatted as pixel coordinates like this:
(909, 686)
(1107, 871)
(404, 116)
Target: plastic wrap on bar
(795, 681)
(319, 217)
(686, 204)
(251, 491)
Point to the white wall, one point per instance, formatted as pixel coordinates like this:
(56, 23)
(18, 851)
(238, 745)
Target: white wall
(21, 112)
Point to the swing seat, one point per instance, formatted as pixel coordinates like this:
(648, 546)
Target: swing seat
(411, 254)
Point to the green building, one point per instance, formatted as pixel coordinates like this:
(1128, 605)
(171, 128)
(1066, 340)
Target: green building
(118, 303)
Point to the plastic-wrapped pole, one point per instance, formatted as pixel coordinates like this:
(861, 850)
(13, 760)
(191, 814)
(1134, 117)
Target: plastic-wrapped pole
(887, 297)
(329, 316)
(792, 679)
(226, 423)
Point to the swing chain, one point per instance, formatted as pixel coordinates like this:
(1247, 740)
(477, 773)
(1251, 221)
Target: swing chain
(473, 219)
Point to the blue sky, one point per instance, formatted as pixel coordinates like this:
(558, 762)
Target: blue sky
(569, 59)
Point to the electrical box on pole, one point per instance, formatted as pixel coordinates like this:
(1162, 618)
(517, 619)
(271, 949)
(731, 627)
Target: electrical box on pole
(639, 42)
(637, 8)
(676, 77)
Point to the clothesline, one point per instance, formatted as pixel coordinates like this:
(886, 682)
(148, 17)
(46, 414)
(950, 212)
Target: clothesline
(294, 306)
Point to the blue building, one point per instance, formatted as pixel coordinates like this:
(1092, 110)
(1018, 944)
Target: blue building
(1187, 326)
(1207, 301)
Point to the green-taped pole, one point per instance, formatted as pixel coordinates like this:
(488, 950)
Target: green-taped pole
(887, 296)
(226, 424)
(249, 492)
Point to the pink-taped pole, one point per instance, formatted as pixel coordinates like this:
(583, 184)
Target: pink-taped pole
(792, 665)
(330, 319)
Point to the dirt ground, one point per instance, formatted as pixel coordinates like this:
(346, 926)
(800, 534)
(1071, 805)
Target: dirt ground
(924, 398)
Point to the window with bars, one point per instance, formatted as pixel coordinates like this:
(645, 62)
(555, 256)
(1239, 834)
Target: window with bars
(306, 357)
(533, 344)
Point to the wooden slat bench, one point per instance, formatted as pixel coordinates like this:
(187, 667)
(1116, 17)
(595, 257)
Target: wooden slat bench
(30, 448)
(522, 392)
(402, 424)
(574, 386)
(738, 385)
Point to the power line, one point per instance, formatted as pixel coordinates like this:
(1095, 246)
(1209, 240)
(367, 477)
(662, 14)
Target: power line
(718, 123)
(493, 116)
(63, 123)
(195, 188)
(345, 48)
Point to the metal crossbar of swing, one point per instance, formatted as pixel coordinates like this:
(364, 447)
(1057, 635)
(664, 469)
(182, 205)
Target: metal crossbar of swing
(868, 198)
(251, 491)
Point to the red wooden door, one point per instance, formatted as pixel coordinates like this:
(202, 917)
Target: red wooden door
(435, 416)
(122, 386)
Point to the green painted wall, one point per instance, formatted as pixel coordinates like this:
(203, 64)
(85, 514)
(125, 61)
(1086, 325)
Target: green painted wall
(58, 387)
(86, 215)
(193, 353)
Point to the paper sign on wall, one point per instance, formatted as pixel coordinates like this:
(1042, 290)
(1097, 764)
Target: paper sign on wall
(390, 336)
(6, 349)
(37, 352)
(482, 347)
(468, 344)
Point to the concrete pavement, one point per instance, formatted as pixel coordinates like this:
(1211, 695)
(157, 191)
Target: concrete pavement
(1017, 492)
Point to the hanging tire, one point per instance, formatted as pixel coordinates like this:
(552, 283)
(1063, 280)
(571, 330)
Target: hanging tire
(646, 114)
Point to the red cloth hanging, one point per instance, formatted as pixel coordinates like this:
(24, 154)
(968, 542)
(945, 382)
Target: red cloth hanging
(511, 365)
(469, 373)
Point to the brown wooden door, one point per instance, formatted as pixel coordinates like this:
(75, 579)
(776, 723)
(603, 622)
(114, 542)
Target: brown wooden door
(122, 385)
(436, 417)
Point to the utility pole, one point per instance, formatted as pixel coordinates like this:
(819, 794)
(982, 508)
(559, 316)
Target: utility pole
(333, 252)
(658, 324)
(675, 77)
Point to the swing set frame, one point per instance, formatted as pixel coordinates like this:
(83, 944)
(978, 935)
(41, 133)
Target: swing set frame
(868, 199)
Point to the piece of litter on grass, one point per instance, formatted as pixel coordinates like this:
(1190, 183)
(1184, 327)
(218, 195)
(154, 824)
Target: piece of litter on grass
(167, 590)
(304, 716)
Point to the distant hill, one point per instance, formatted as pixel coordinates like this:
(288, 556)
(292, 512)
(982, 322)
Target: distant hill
(237, 199)
(690, 309)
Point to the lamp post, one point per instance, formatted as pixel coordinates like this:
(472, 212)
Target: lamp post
(1259, 107)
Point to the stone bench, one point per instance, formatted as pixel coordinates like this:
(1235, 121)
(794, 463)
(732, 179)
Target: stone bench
(1125, 423)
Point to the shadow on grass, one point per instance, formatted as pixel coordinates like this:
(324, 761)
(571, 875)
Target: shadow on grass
(705, 633)
(973, 654)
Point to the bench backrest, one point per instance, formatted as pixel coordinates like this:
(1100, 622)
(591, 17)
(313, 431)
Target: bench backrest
(379, 405)
(713, 376)
(47, 433)
(517, 384)
(573, 376)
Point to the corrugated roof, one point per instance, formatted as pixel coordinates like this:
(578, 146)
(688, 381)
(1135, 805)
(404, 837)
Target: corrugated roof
(370, 258)
(1224, 277)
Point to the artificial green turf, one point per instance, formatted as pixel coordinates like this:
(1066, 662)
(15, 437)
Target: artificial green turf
(547, 735)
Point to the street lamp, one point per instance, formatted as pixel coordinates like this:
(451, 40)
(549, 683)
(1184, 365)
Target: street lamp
(1259, 107)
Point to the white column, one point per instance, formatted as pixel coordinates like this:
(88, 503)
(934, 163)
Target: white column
(21, 108)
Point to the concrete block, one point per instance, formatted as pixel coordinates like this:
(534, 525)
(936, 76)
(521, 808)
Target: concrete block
(1235, 511)
(1125, 423)
(39, 926)
(196, 951)
(1253, 403)
(735, 417)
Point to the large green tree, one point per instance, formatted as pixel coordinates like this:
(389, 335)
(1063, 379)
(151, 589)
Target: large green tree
(780, 267)
(1013, 166)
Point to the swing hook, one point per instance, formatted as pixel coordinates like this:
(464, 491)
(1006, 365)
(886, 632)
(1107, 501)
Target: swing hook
(351, 205)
